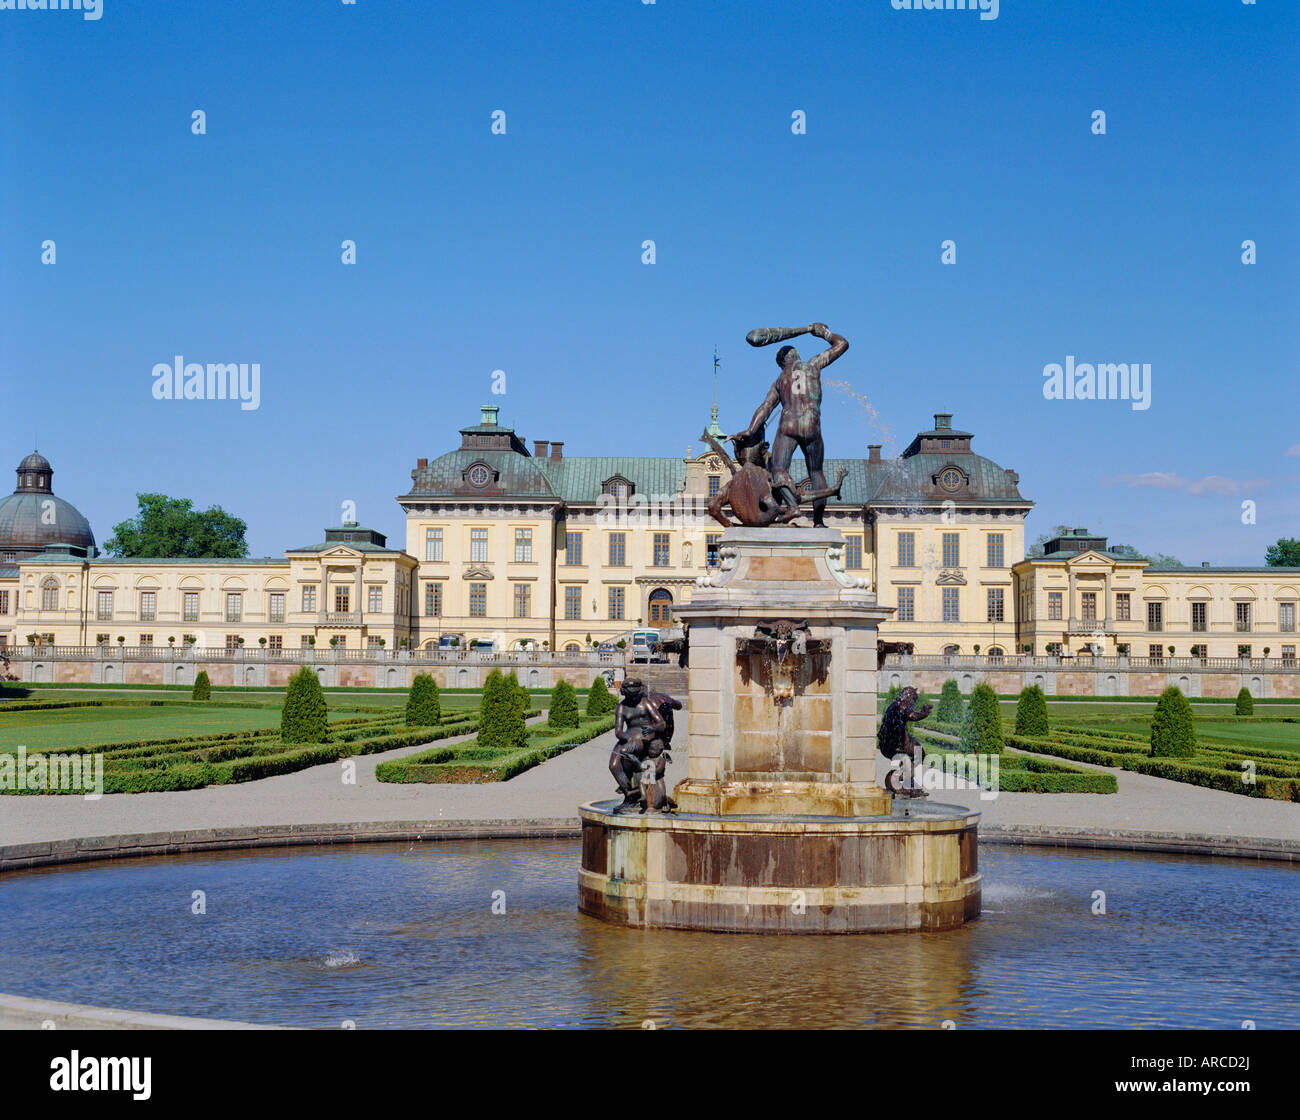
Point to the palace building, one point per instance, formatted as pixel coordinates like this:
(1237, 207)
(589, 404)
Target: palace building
(533, 548)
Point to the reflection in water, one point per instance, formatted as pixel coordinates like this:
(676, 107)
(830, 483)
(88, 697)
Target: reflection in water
(393, 935)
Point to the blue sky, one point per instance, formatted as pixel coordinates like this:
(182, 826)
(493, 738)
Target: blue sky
(669, 121)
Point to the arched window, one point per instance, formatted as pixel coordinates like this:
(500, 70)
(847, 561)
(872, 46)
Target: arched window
(995, 653)
(661, 608)
(50, 595)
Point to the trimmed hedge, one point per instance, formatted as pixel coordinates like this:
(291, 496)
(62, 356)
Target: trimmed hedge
(952, 708)
(501, 720)
(1245, 703)
(1031, 712)
(202, 689)
(304, 717)
(1173, 734)
(982, 731)
(600, 701)
(423, 708)
(563, 712)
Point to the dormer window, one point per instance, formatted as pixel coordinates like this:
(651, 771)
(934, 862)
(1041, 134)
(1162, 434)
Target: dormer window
(618, 487)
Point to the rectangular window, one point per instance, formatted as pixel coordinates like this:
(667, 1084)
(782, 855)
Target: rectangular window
(305, 642)
(275, 643)
(1200, 617)
(1054, 601)
(996, 550)
(952, 550)
(1123, 606)
(711, 543)
(906, 604)
(146, 640)
(1286, 617)
(1200, 651)
(232, 641)
(573, 549)
(523, 599)
(618, 550)
(661, 559)
(102, 639)
(478, 546)
(4, 602)
(104, 606)
(907, 550)
(617, 603)
(309, 598)
(277, 606)
(573, 603)
(341, 642)
(1243, 618)
(523, 546)
(342, 600)
(433, 544)
(1089, 605)
(374, 599)
(1155, 616)
(478, 600)
(148, 606)
(234, 606)
(853, 552)
(1288, 653)
(996, 604)
(951, 609)
(715, 484)
(1156, 653)
(433, 600)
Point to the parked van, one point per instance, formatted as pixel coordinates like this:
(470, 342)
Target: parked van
(642, 646)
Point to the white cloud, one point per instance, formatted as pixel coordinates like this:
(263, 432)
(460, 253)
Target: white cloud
(1210, 484)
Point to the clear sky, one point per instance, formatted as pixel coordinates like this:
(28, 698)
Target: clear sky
(671, 122)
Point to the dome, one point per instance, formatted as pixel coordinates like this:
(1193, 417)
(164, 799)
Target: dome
(35, 462)
(32, 519)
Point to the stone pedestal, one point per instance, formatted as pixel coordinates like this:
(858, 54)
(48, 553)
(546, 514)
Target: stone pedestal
(784, 823)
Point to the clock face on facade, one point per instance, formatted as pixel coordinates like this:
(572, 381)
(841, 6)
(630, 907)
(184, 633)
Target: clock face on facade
(715, 464)
(478, 475)
(950, 479)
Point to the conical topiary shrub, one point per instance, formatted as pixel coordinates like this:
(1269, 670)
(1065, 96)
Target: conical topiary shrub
(501, 724)
(600, 701)
(522, 696)
(1031, 713)
(982, 731)
(892, 694)
(950, 709)
(202, 689)
(564, 707)
(1245, 703)
(423, 706)
(304, 717)
(1173, 732)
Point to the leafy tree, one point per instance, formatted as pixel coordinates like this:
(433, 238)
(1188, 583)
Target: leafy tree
(564, 707)
(1031, 713)
(172, 527)
(1036, 549)
(600, 701)
(501, 724)
(304, 717)
(1284, 554)
(202, 689)
(1245, 703)
(1173, 734)
(951, 706)
(423, 706)
(982, 731)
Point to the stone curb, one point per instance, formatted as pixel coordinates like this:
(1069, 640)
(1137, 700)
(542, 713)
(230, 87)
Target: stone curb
(21, 1013)
(1135, 840)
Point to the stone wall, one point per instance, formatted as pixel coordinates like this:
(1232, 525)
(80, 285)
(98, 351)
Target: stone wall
(1104, 680)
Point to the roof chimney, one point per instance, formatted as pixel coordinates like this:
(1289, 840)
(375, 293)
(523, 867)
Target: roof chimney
(557, 449)
(942, 420)
(539, 448)
(873, 453)
(420, 464)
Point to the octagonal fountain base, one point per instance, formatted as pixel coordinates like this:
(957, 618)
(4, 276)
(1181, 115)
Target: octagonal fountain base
(914, 869)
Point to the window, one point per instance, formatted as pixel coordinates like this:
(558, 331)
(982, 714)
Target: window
(1053, 649)
(372, 642)
(433, 544)
(341, 642)
(853, 552)
(618, 550)
(1288, 653)
(951, 610)
(952, 550)
(711, 542)
(275, 643)
(1123, 606)
(102, 639)
(1155, 616)
(234, 606)
(1286, 617)
(478, 546)
(104, 606)
(573, 549)
(190, 606)
(661, 550)
(1200, 651)
(1200, 616)
(995, 603)
(572, 602)
(907, 550)
(661, 608)
(1156, 653)
(523, 546)
(232, 641)
(4, 602)
(277, 606)
(478, 600)
(146, 640)
(523, 597)
(374, 599)
(1243, 618)
(617, 603)
(995, 550)
(906, 604)
(715, 484)
(1089, 599)
(305, 642)
(342, 599)
(433, 600)
(308, 599)
(1054, 607)
(995, 653)
(49, 595)
(148, 606)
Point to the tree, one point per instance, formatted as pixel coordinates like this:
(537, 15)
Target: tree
(1031, 713)
(600, 701)
(1284, 554)
(304, 717)
(982, 731)
(1245, 703)
(501, 724)
(564, 707)
(892, 694)
(1173, 734)
(1036, 549)
(522, 696)
(202, 689)
(951, 706)
(172, 527)
(423, 706)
